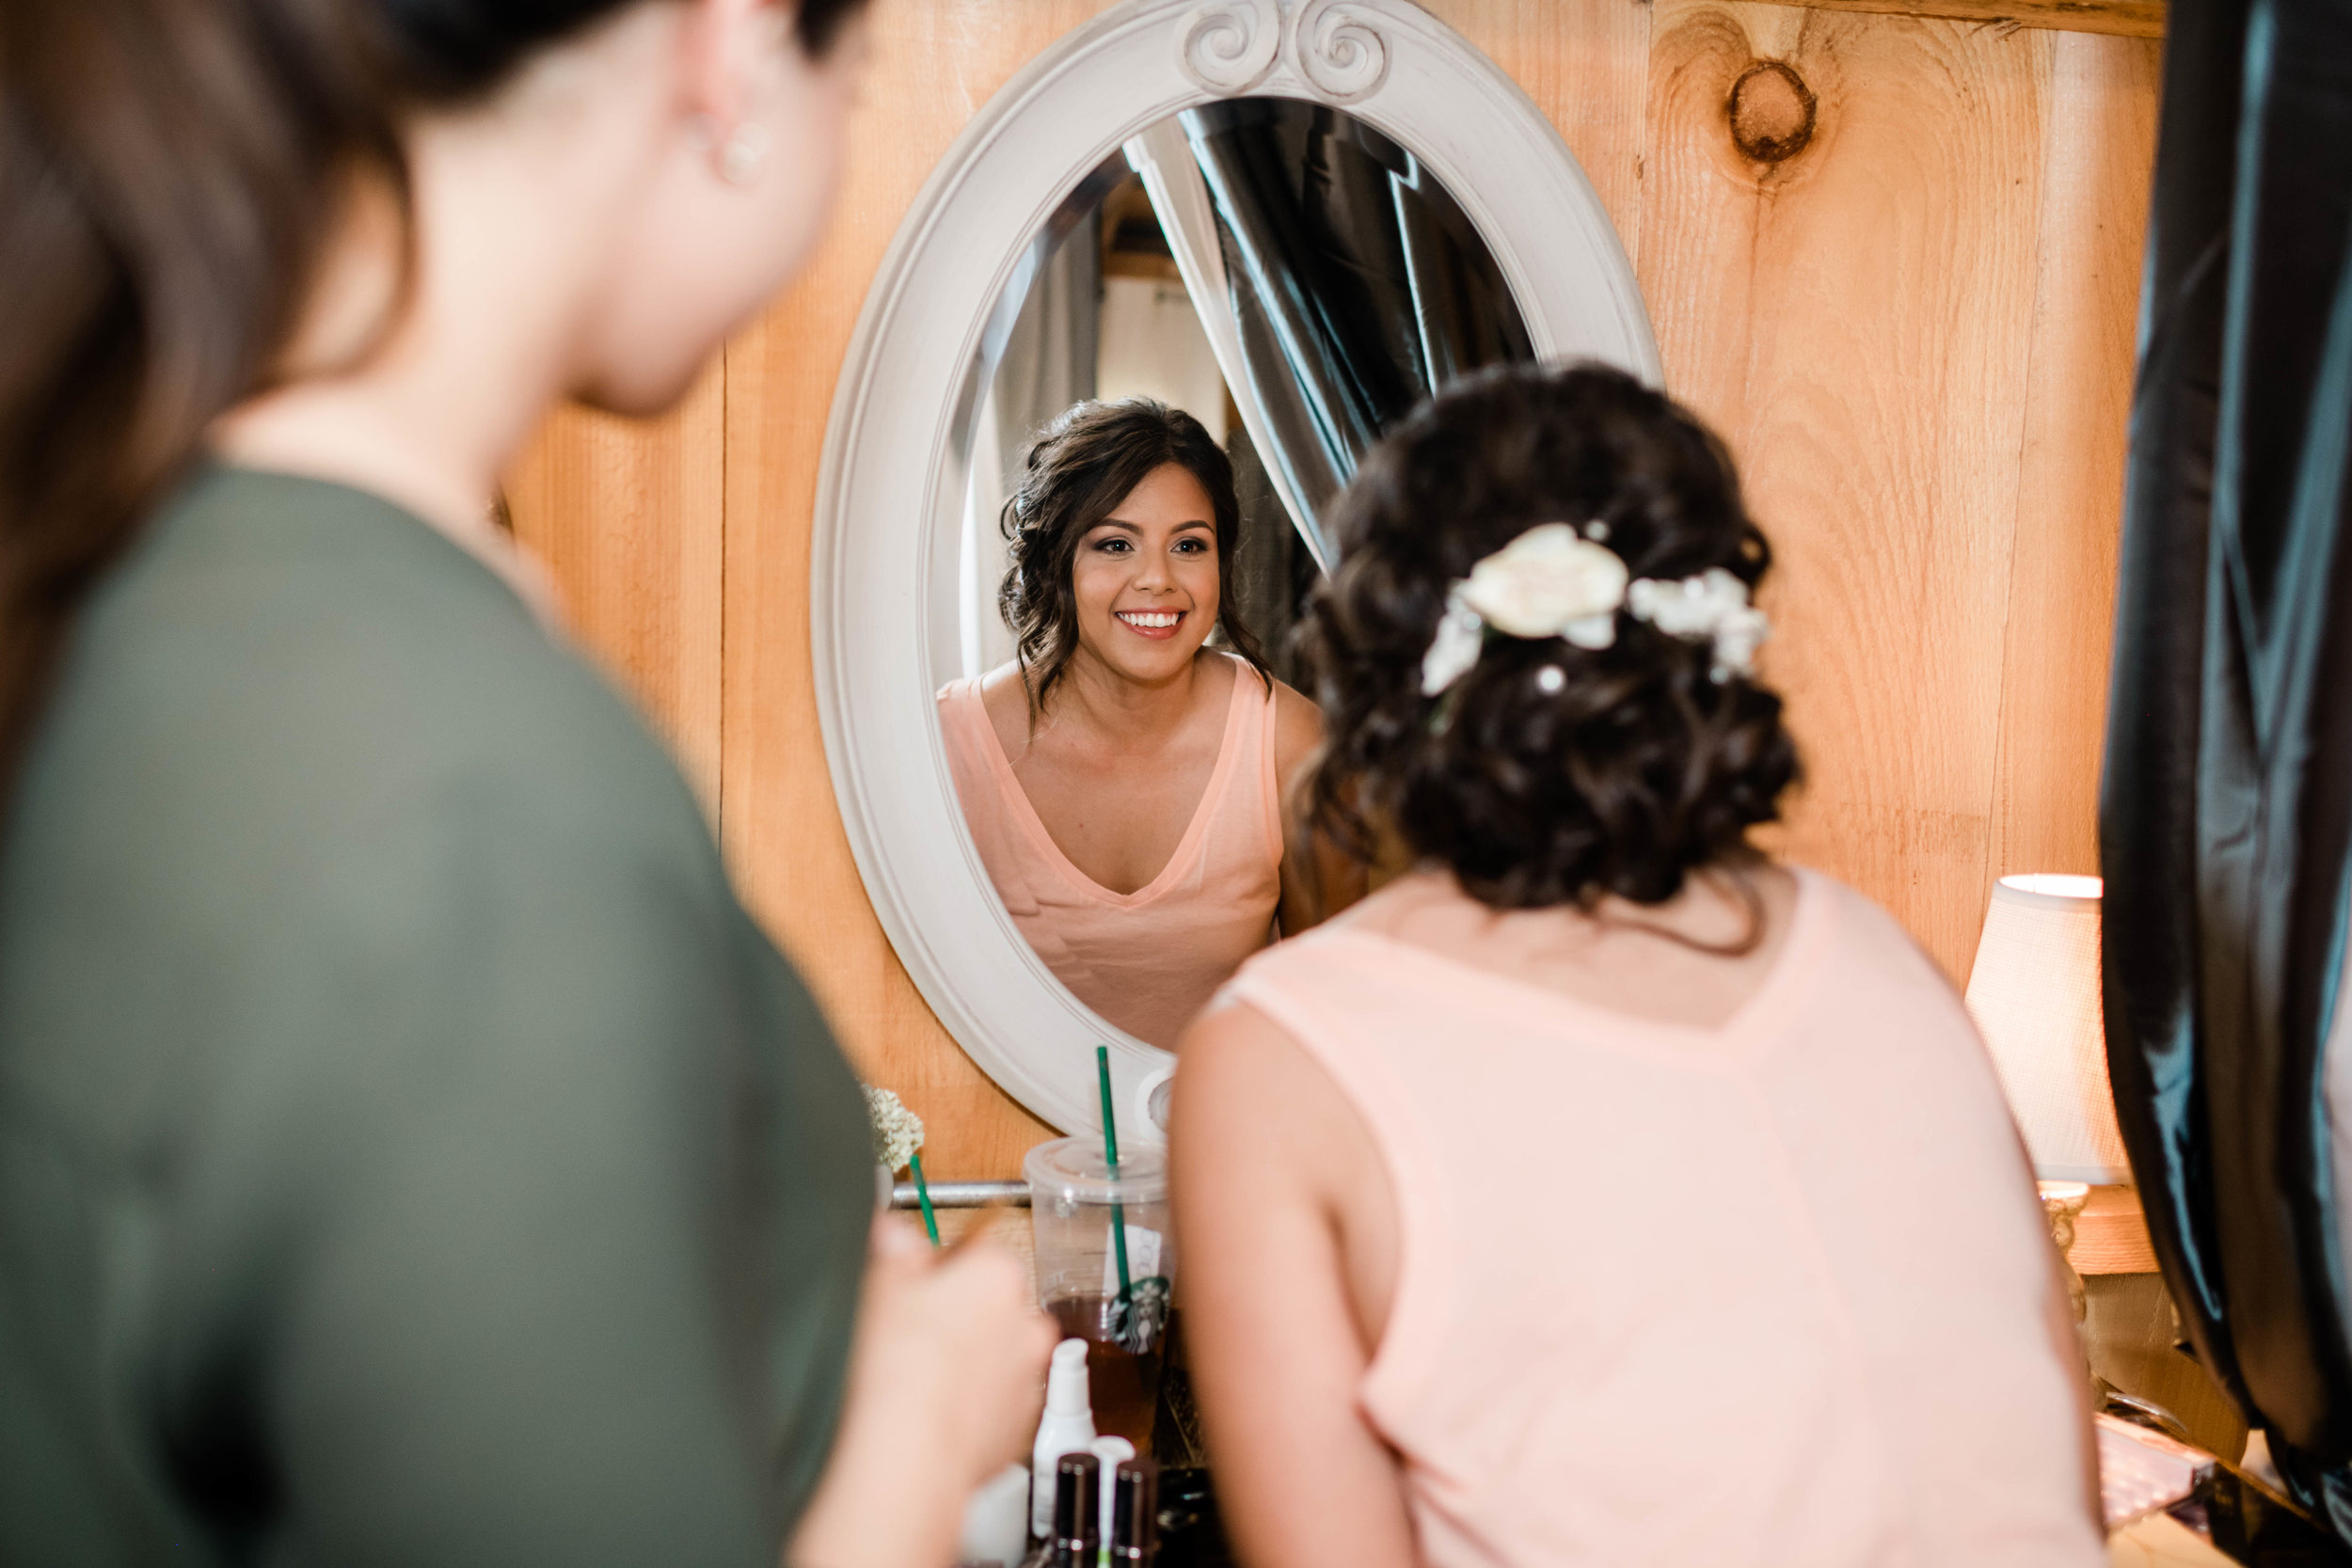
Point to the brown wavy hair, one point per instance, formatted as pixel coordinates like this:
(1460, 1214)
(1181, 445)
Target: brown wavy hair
(1090, 459)
(171, 174)
(1641, 768)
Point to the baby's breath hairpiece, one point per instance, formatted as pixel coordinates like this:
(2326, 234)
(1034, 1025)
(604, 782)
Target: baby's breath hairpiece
(1552, 582)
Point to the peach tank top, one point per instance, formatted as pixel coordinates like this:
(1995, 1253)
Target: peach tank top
(1150, 959)
(1769, 1292)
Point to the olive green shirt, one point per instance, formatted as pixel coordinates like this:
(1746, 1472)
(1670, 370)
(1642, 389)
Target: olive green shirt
(410, 1152)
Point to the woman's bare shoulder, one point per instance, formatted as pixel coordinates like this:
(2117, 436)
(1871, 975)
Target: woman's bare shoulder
(1247, 1088)
(1261, 1124)
(1292, 706)
(1297, 727)
(1005, 697)
(1002, 684)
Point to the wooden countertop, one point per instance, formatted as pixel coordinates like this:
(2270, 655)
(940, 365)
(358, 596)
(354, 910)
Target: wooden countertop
(2111, 1237)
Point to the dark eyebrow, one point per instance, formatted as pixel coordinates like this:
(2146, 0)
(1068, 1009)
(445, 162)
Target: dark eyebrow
(1137, 527)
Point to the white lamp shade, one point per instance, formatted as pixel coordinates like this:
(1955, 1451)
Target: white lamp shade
(2034, 993)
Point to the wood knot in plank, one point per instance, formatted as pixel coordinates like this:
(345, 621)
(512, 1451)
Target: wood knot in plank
(1771, 112)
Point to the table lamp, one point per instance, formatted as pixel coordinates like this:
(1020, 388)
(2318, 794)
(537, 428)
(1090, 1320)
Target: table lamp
(2034, 993)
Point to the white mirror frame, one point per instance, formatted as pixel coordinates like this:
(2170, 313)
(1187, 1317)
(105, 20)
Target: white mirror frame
(887, 517)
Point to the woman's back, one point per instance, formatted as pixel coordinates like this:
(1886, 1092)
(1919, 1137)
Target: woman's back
(1601, 1193)
(409, 1151)
(1768, 1289)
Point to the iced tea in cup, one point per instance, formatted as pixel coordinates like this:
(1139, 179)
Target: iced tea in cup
(1082, 1215)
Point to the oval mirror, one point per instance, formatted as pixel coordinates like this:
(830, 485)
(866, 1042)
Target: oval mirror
(1292, 222)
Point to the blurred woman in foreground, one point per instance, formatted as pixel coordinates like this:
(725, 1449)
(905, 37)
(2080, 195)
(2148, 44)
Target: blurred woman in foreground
(409, 1149)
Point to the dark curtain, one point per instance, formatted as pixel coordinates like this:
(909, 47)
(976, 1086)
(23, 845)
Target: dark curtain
(1357, 285)
(2226, 809)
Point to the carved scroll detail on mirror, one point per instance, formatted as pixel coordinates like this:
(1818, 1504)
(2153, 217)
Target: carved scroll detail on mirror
(1229, 47)
(1334, 48)
(1338, 50)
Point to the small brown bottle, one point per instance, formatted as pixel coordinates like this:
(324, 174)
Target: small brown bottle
(1135, 1514)
(1077, 1538)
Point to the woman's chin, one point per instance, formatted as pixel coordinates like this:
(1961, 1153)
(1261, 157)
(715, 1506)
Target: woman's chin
(1150, 661)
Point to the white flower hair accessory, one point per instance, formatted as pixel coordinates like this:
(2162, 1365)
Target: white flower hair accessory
(1711, 607)
(1550, 582)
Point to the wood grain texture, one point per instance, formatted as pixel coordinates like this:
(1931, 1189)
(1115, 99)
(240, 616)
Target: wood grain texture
(1586, 66)
(2096, 160)
(1856, 319)
(629, 516)
(2125, 18)
(2111, 1235)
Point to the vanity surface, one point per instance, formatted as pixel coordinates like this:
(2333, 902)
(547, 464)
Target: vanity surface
(2111, 1242)
(2111, 1235)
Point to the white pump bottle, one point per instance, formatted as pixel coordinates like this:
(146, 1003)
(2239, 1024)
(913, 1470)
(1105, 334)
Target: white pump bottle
(1067, 1428)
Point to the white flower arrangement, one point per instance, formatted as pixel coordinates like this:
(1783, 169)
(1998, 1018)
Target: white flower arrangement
(897, 1131)
(1550, 582)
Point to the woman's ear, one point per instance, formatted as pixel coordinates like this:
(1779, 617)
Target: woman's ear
(727, 51)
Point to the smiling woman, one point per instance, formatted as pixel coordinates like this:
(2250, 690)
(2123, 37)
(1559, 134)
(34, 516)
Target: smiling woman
(1122, 780)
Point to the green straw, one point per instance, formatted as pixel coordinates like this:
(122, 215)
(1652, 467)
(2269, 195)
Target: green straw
(923, 1195)
(1110, 1152)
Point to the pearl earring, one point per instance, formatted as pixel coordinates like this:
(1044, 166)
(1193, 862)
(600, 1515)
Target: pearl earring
(745, 154)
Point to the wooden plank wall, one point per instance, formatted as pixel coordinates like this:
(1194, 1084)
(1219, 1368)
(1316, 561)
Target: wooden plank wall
(1914, 330)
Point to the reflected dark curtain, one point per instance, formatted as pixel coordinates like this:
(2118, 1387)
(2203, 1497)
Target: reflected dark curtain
(1357, 285)
(1273, 571)
(2226, 810)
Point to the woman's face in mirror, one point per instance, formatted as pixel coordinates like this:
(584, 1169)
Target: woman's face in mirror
(1145, 578)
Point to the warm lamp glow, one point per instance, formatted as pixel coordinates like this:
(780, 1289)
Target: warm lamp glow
(2034, 993)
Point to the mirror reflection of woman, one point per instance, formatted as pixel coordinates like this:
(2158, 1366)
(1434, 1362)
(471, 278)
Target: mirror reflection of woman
(1122, 780)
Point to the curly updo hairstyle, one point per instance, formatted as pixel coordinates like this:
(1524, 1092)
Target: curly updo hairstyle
(1090, 459)
(1638, 767)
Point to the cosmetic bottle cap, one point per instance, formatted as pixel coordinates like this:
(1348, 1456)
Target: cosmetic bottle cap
(1108, 1451)
(1135, 1514)
(1066, 1391)
(1077, 1505)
